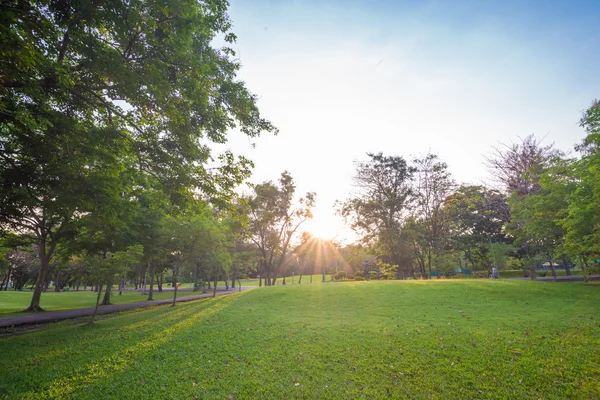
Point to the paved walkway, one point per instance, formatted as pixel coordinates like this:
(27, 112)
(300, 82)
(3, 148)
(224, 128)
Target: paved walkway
(558, 278)
(52, 316)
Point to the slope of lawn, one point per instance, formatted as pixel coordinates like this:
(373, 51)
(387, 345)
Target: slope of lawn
(448, 339)
(11, 302)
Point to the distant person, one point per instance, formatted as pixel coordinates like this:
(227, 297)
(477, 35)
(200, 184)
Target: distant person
(494, 273)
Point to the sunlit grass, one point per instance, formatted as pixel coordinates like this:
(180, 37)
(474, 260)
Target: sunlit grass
(440, 339)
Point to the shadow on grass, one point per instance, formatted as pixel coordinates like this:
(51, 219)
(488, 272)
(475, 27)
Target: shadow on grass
(99, 351)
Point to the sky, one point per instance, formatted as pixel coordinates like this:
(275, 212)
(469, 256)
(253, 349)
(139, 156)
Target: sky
(343, 78)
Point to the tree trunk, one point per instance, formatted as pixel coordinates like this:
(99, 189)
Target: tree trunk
(123, 283)
(107, 293)
(259, 281)
(57, 281)
(196, 273)
(300, 280)
(160, 282)
(215, 287)
(553, 270)
(283, 282)
(208, 282)
(96, 309)
(4, 285)
(40, 281)
(532, 272)
(566, 265)
(233, 283)
(226, 283)
(174, 286)
(153, 266)
(429, 261)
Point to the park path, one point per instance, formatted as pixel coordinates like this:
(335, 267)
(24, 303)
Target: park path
(53, 316)
(558, 278)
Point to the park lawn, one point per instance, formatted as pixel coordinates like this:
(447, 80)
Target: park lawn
(316, 278)
(12, 302)
(416, 339)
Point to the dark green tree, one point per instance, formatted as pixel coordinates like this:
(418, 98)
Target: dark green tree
(382, 201)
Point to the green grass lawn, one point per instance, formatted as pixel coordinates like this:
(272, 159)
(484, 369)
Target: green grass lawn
(11, 302)
(441, 339)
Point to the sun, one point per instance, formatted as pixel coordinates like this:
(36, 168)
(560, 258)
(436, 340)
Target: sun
(321, 228)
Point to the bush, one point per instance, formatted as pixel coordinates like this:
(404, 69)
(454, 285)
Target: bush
(350, 277)
(373, 275)
(359, 278)
(340, 276)
(360, 273)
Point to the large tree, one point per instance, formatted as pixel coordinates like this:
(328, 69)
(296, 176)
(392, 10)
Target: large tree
(83, 81)
(275, 217)
(381, 202)
(581, 220)
(434, 185)
(518, 168)
(476, 217)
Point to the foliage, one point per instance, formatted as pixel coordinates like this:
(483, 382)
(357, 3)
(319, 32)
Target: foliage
(476, 218)
(274, 221)
(340, 276)
(90, 90)
(383, 199)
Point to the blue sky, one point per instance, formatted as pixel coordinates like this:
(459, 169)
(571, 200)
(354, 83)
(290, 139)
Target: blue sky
(341, 78)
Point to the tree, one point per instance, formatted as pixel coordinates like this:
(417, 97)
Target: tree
(86, 59)
(476, 218)
(382, 201)
(187, 236)
(50, 177)
(517, 166)
(274, 221)
(434, 185)
(581, 221)
(540, 217)
(106, 267)
(84, 84)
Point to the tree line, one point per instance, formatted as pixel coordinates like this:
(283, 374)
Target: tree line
(542, 208)
(107, 116)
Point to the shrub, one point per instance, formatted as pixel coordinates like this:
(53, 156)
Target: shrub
(350, 277)
(360, 273)
(359, 278)
(373, 275)
(340, 276)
